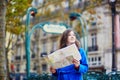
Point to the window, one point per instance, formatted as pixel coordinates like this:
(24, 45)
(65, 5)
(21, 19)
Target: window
(93, 46)
(54, 45)
(18, 55)
(44, 67)
(44, 46)
(19, 51)
(95, 61)
(33, 55)
(99, 60)
(35, 66)
(94, 39)
(19, 38)
(24, 56)
(34, 48)
(18, 67)
(44, 34)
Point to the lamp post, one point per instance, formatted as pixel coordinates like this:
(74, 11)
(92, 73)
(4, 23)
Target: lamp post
(113, 11)
(78, 16)
(27, 38)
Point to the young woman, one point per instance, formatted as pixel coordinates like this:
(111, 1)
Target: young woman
(75, 70)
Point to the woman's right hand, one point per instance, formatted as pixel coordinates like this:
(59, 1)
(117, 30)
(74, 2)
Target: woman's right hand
(52, 70)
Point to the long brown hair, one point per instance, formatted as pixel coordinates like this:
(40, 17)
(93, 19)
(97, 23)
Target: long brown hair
(63, 39)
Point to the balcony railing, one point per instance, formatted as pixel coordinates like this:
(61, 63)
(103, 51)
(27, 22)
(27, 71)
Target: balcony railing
(17, 57)
(24, 56)
(33, 56)
(93, 48)
(43, 54)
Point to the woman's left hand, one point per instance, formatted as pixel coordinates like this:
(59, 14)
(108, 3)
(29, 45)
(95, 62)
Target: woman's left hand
(76, 63)
(52, 69)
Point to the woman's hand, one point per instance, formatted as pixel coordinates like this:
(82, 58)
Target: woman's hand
(76, 63)
(52, 70)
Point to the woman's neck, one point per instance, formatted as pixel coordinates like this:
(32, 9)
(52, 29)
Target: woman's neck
(69, 44)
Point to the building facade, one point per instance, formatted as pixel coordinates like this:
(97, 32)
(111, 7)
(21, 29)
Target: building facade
(42, 44)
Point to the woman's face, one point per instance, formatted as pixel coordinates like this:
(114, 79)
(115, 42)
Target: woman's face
(71, 38)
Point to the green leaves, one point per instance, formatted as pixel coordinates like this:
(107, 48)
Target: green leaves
(16, 30)
(16, 9)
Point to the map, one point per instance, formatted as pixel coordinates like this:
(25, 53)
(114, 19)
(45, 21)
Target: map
(63, 57)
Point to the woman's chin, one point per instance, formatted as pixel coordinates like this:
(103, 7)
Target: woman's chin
(72, 42)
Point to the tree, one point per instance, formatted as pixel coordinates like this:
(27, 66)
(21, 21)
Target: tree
(16, 9)
(3, 74)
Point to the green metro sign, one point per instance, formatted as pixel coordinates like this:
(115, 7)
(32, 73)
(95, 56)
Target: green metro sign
(54, 28)
(49, 27)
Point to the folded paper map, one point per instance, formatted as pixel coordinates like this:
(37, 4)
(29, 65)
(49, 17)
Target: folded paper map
(63, 57)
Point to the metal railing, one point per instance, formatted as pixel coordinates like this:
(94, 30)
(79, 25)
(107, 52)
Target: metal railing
(42, 77)
(97, 75)
(90, 75)
(93, 75)
(114, 75)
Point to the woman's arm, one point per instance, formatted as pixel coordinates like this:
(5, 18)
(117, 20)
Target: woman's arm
(80, 66)
(83, 62)
(53, 71)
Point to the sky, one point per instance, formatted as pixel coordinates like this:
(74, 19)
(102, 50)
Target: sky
(37, 2)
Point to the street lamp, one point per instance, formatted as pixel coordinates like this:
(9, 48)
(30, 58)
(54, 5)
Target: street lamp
(113, 11)
(31, 11)
(78, 16)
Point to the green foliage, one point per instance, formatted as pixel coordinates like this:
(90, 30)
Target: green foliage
(16, 9)
(16, 30)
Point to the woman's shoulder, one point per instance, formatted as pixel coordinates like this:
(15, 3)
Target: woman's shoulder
(81, 49)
